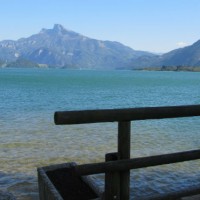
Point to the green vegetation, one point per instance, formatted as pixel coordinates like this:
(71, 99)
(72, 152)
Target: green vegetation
(172, 68)
(180, 68)
(1, 63)
(22, 63)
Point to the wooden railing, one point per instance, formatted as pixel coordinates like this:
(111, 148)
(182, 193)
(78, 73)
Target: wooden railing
(117, 166)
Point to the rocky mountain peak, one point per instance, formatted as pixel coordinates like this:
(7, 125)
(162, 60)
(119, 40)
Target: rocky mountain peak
(58, 28)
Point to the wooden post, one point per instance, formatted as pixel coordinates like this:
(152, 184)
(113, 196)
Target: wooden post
(112, 180)
(124, 129)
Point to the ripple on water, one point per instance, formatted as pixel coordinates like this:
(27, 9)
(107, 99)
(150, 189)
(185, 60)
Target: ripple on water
(29, 138)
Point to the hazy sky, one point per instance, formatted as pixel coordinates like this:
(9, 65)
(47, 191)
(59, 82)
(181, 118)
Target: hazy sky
(150, 25)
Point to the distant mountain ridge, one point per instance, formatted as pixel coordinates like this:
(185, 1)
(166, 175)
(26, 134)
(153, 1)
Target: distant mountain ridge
(59, 47)
(62, 48)
(187, 56)
(182, 58)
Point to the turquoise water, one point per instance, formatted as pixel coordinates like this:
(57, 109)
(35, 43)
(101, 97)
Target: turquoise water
(29, 138)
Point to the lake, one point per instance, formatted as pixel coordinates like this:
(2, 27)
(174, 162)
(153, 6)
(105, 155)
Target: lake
(29, 138)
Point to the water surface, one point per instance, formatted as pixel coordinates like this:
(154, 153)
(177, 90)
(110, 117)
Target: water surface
(29, 138)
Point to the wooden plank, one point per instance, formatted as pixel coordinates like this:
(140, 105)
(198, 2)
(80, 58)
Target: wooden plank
(128, 114)
(112, 180)
(135, 163)
(124, 153)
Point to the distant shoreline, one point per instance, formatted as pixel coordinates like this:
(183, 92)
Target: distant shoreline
(171, 68)
(159, 69)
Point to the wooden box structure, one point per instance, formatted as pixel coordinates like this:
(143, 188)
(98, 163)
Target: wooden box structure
(60, 182)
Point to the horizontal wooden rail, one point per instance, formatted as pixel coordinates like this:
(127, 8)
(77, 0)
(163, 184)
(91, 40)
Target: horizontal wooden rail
(135, 163)
(128, 114)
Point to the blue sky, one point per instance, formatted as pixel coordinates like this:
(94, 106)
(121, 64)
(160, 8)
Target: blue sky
(150, 25)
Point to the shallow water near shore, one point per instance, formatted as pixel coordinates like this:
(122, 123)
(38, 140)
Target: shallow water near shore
(29, 138)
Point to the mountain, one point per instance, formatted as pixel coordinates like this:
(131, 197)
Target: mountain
(179, 59)
(59, 47)
(187, 56)
(63, 48)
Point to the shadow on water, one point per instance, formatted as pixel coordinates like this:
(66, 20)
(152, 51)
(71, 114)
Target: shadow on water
(145, 183)
(153, 182)
(20, 185)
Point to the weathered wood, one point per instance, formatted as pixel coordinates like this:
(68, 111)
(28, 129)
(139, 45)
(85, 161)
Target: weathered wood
(135, 163)
(124, 132)
(112, 180)
(129, 114)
